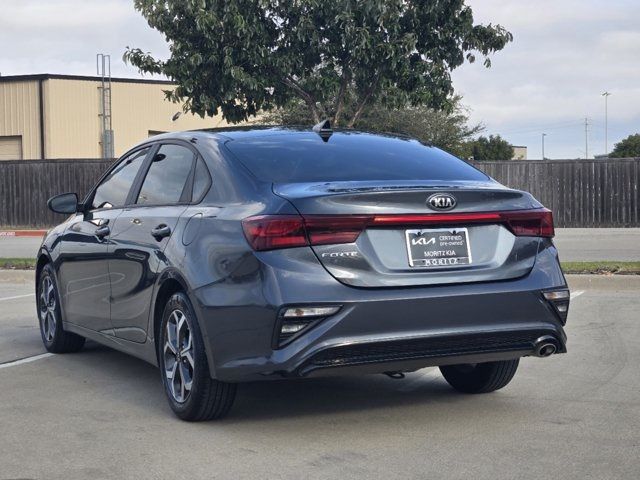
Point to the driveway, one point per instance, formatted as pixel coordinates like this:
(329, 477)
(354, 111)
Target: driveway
(101, 414)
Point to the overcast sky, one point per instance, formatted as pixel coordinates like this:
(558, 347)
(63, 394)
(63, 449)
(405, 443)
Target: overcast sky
(564, 55)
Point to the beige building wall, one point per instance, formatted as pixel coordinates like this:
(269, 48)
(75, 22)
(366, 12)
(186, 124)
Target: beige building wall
(20, 117)
(72, 125)
(140, 108)
(519, 153)
(72, 122)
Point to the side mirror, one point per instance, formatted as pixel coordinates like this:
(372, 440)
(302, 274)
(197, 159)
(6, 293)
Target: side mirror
(63, 203)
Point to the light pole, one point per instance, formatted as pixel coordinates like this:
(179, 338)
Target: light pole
(606, 121)
(543, 135)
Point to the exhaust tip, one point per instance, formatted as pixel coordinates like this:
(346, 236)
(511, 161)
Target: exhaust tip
(546, 350)
(545, 346)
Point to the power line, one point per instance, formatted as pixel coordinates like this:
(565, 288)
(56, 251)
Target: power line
(544, 127)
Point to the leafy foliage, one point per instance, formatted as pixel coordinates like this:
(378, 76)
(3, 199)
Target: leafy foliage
(447, 130)
(245, 56)
(629, 147)
(492, 148)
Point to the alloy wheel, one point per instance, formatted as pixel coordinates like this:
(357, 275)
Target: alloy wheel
(47, 305)
(179, 364)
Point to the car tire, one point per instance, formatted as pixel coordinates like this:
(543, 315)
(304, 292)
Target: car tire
(192, 394)
(480, 377)
(54, 337)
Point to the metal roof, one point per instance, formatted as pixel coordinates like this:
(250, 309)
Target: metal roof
(53, 76)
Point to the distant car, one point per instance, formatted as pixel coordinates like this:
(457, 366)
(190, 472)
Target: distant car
(235, 255)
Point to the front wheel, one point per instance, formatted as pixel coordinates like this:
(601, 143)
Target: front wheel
(480, 377)
(193, 395)
(54, 337)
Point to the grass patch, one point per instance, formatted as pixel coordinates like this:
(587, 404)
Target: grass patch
(18, 263)
(598, 268)
(602, 268)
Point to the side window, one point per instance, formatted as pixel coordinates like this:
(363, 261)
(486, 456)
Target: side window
(166, 179)
(201, 181)
(114, 189)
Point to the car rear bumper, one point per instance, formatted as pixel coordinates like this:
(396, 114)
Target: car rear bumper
(407, 354)
(379, 330)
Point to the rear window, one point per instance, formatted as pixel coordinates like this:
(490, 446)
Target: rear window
(304, 157)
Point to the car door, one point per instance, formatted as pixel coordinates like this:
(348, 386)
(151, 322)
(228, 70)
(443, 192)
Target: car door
(141, 233)
(82, 266)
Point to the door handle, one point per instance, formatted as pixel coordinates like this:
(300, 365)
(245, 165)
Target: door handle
(102, 232)
(161, 231)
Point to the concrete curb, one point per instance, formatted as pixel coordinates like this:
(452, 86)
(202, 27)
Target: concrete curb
(604, 282)
(22, 233)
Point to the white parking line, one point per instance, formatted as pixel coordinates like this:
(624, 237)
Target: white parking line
(22, 361)
(576, 294)
(17, 296)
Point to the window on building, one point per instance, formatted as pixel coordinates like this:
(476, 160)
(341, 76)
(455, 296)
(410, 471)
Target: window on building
(11, 147)
(153, 133)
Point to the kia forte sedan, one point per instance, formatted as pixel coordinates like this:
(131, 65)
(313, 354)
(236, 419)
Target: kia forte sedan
(236, 255)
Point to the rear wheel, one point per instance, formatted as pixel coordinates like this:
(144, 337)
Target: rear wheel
(480, 377)
(54, 337)
(193, 395)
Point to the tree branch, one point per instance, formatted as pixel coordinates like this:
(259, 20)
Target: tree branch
(306, 96)
(341, 95)
(363, 102)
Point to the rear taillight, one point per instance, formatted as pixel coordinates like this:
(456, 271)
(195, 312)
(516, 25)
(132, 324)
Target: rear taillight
(530, 223)
(269, 232)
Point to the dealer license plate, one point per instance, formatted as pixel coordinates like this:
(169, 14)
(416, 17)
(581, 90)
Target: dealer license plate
(438, 248)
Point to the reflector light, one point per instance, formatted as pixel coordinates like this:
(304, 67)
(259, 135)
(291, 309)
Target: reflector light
(293, 321)
(557, 295)
(269, 232)
(289, 328)
(559, 299)
(310, 312)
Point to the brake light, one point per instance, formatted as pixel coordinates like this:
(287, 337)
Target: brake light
(530, 223)
(269, 232)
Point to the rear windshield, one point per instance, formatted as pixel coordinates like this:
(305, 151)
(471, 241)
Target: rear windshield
(304, 157)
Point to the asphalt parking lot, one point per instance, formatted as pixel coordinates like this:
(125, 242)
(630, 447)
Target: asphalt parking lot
(101, 414)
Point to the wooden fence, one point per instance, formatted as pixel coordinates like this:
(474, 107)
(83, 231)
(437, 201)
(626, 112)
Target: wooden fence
(26, 185)
(581, 193)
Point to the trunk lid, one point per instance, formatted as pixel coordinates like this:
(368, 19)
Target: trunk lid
(380, 257)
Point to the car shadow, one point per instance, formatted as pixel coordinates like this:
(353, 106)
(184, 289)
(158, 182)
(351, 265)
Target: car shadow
(276, 399)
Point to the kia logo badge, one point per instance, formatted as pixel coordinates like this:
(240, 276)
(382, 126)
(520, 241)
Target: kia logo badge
(441, 201)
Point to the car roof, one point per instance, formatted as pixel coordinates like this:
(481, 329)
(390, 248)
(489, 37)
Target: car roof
(257, 131)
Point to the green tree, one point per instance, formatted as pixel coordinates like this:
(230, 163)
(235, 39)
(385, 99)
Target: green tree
(449, 130)
(492, 148)
(241, 57)
(629, 147)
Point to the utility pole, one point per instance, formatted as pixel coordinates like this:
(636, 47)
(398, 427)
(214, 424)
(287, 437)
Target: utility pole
(606, 123)
(103, 69)
(543, 135)
(586, 138)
